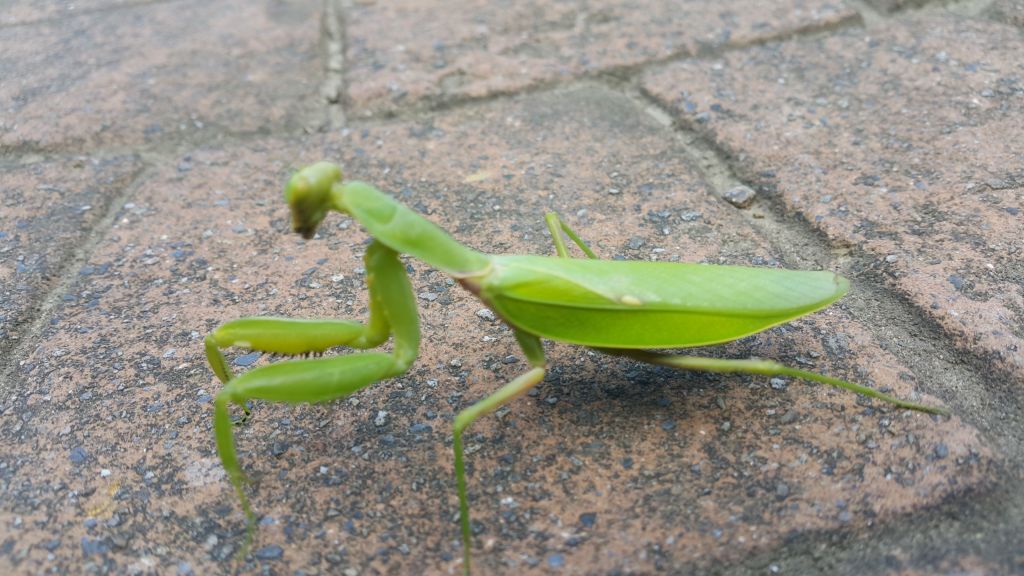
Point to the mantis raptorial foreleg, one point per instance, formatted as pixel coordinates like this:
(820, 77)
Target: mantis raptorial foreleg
(556, 226)
(296, 337)
(764, 368)
(392, 309)
(534, 351)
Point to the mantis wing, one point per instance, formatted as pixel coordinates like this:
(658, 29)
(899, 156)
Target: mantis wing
(636, 304)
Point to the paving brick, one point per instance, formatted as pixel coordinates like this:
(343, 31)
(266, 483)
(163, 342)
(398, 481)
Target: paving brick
(613, 466)
(402, 53)
(25, 11)
(903, 142)
(49, 207)
(1008, 11)
(144, 73)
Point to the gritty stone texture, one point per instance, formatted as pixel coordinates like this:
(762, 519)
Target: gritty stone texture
(473, 48)
(889, 6)
(25, 11)
(904, 142)
(144, 73)
(47, 208)
(609, 466)
(1008, 11)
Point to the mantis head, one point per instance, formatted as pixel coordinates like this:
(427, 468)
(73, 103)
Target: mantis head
(308, 194)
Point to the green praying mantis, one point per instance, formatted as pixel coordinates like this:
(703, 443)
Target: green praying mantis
(622, 308)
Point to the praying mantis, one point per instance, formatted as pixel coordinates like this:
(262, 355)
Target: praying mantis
(621, 308)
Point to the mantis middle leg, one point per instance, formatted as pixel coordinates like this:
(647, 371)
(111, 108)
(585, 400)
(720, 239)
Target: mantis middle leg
(392, 310)
(556, 226)
(534, 351)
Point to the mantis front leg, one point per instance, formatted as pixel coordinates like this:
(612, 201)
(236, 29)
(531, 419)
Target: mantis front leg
(392, 310)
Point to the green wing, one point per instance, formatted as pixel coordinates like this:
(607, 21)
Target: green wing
(636, 304)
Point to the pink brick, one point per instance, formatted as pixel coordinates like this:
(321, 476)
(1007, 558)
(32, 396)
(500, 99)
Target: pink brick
(425, 52)
(143, 74)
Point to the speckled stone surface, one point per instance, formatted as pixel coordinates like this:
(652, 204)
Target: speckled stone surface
(611, 466)
(903, 142)
(146, 73)
(473, 48)
(26, 11)
(48, 208)
(1008, 11)
(143, 149)
(889, 6)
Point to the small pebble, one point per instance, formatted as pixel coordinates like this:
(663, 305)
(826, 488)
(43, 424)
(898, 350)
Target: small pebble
(486, 314)
(382, 418)
(272, 552)
(247, 359)
(420, 428)
(92, 546)
(777, 383)
(781, 490)
(740, 196)
(789, 417)
(78, 455)
(556, 561)
(941, 450)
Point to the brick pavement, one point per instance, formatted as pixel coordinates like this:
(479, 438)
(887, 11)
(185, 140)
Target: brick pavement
(142, 157)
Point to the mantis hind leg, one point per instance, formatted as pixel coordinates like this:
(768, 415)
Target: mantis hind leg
(557, 226)
(392, 309)
(765, 368)
(535, 354)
